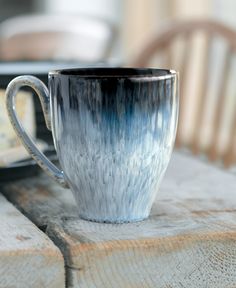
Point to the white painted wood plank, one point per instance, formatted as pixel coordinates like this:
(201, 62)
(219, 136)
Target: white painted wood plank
(28, 258)
(188, 241)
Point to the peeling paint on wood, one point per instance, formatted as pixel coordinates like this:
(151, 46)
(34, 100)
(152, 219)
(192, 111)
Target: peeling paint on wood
(188, 241)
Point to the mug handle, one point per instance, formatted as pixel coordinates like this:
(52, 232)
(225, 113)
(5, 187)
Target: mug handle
(42, 91)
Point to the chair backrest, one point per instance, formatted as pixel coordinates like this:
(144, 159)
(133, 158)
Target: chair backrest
(204, 54)
(61, 37)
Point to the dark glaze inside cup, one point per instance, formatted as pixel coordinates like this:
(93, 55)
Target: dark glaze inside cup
(114, 72)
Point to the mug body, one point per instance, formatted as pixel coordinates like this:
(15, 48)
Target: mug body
(114, 130)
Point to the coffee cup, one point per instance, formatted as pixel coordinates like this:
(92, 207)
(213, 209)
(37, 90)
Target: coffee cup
(113, 131)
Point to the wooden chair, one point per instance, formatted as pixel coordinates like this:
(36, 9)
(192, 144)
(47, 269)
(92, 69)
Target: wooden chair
(56, 37)
(211, 114)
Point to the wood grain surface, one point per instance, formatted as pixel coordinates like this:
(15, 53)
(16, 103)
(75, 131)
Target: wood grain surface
(28, 258)
(188, 241)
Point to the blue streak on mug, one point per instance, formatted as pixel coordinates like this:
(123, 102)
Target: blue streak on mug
(113, 130)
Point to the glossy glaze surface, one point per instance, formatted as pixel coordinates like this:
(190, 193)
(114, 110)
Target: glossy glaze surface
(114, 131)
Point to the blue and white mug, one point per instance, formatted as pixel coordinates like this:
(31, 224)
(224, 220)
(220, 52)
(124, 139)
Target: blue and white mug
(113, 130)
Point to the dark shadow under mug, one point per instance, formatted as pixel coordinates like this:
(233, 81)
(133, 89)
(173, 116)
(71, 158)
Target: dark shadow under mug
(113, 130)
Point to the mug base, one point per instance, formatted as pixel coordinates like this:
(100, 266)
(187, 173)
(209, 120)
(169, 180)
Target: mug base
(113, 221)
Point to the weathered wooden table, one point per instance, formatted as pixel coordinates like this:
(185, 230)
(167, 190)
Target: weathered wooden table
(188, 241)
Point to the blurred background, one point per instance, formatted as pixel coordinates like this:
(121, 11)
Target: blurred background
(135, 21)
(197, 38)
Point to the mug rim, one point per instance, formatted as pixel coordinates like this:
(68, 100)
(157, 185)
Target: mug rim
(116, 72)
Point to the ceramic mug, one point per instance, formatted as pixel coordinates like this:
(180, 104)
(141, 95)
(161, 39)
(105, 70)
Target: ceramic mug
(113, 130)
